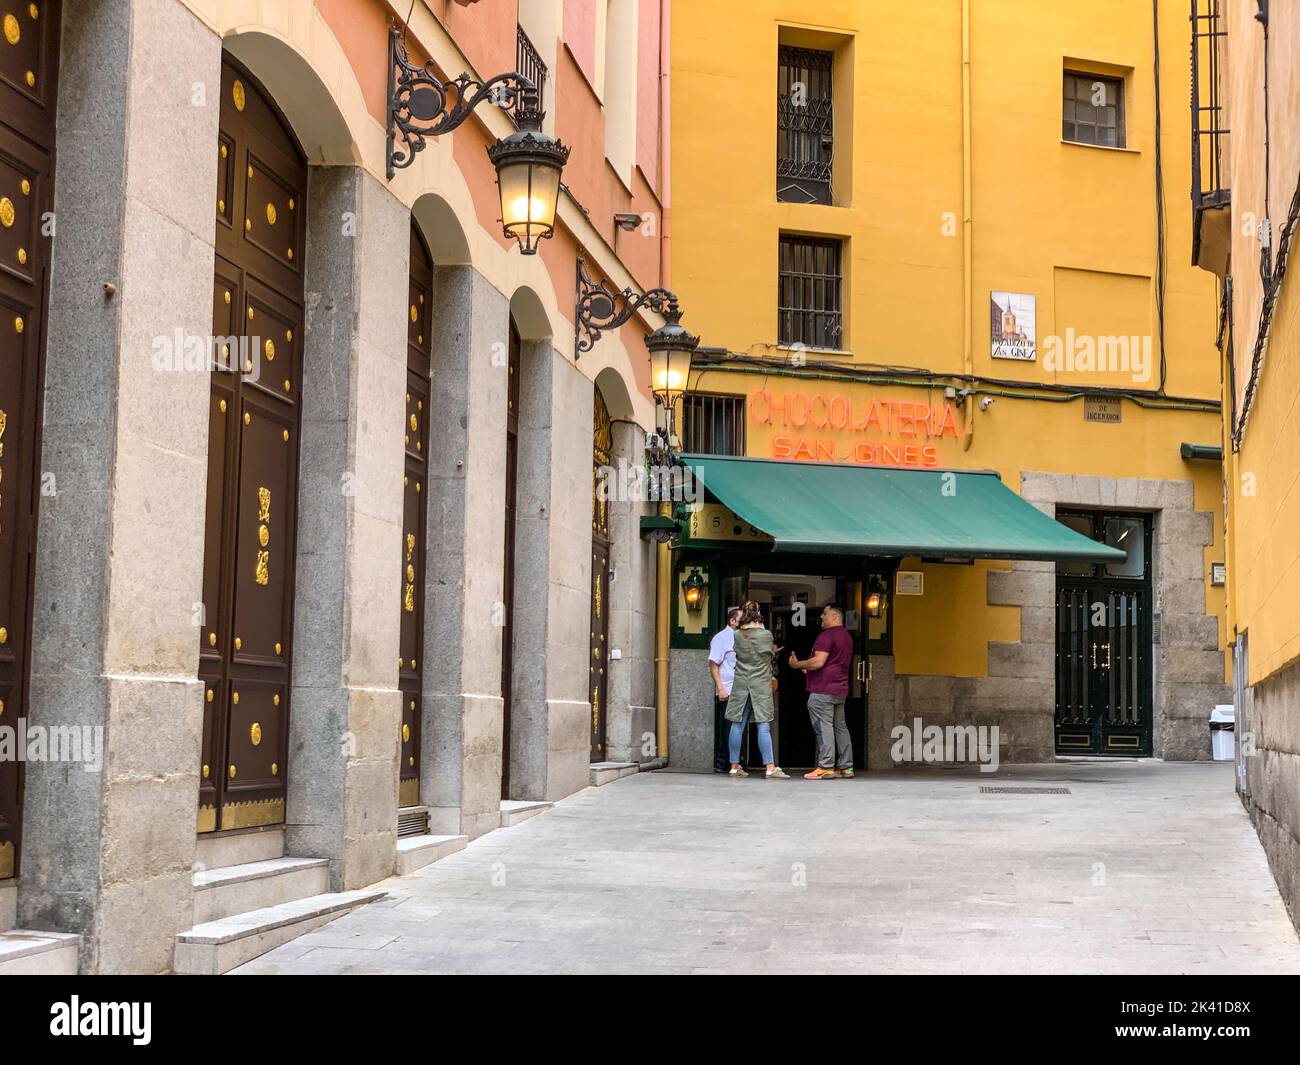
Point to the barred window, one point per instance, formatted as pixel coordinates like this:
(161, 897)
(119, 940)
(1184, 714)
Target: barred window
(810, 308)
(1093, 110)
(805, 125)
(713, 425)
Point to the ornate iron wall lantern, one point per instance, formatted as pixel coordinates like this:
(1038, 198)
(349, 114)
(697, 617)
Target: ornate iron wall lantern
(671, 347)
(528, 162)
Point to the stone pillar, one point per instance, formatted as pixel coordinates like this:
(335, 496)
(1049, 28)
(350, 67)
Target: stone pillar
(690, 709)
(631, 680)
(1189, 663)
(881, 716)
(345, 715)
(461, 727)
(118, 584)
(550, 735)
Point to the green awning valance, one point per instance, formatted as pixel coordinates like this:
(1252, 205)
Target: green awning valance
(872, 510)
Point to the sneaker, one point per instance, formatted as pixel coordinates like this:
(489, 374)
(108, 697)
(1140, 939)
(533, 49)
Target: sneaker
(777, 773)
(737, 771)
(844, 774)
(820, 774)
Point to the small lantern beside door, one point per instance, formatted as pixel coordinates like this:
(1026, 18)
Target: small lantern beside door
(694, 591)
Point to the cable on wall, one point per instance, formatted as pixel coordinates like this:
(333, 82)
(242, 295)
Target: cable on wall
(1160, 205)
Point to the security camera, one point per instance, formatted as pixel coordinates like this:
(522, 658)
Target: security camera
(986, 402)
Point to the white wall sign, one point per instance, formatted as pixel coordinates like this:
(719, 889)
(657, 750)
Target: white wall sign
(1013, 329)
(909, 582)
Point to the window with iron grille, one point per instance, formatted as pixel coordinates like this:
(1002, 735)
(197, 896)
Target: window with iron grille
(1093, 110)
(713, 425)
(805, 125)
(809, 299)
(528, 62)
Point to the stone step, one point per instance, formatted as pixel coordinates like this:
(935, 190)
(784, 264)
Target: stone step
(27, 953)
(236, 889)
(515, 810)
(218, 946)
(415, 852)
(608, 772)
(216, 850)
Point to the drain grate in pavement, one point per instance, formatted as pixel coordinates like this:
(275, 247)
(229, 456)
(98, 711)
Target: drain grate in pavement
(1024, 791)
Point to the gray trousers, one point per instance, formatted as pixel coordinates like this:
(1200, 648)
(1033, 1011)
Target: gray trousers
(831, 730)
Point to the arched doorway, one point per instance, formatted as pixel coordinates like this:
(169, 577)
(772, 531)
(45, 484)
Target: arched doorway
(419, 347)
(602, 452)
(254, 417)
(29, 55)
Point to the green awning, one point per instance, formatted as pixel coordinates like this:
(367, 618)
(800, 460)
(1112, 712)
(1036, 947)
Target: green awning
(873, 510)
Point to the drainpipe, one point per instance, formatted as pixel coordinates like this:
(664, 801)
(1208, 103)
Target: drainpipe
(663, 555)
(968, 280)
(663, 593)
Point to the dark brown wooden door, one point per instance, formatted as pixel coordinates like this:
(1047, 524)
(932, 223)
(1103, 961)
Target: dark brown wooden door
(602, 446)
(508, 573)
(29, 54)
(257, 314)
(414, 480)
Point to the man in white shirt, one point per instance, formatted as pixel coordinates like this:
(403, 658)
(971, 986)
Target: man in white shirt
(722, 664)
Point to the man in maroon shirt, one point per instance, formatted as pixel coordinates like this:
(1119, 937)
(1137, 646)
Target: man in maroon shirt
(826, 674)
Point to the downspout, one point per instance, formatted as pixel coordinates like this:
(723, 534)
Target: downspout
(967, 278)
(663, 554)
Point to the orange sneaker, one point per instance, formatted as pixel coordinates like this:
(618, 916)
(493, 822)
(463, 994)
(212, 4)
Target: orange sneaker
(820, 774)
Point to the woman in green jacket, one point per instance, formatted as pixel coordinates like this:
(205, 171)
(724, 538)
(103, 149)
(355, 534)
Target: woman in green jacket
(751, 691)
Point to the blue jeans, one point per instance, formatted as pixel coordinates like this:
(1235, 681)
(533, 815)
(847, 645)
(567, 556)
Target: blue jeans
(764, 737)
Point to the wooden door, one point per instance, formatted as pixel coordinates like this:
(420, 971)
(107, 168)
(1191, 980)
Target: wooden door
(598, 666)
(29, 55)
(254, 417)
(419, 346)
(508, 567)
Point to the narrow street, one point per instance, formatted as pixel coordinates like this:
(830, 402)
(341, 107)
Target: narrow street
(1143, 867)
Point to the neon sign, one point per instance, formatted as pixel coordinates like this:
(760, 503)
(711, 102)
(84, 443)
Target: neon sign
(834, 427)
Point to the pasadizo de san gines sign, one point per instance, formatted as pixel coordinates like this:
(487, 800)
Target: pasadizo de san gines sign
(874, 427)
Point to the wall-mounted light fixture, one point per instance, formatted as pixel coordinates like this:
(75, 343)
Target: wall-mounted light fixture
(670, 346)
(528, 162)
(694, 590)
(877, 596)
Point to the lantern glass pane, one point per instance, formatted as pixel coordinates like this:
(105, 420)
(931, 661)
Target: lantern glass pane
(528, 196)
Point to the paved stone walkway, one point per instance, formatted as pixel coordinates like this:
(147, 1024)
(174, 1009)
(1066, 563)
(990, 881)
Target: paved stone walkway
(1144, 867)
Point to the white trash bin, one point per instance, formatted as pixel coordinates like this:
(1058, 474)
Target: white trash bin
(1223, 743)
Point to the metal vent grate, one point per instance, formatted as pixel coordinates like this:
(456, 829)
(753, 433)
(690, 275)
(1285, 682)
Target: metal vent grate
(1024, 791)
(412, 822)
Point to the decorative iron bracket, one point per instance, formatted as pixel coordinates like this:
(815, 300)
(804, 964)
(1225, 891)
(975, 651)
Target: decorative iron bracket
(600, 308)
(422, 105)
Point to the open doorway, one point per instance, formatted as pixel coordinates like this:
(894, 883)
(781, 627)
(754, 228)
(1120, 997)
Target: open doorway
(792, 605)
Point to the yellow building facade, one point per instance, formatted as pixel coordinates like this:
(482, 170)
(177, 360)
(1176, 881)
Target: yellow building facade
(919, 238)
(1246, 208)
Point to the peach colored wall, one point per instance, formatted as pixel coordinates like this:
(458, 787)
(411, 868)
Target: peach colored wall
(647, 89)
(361, 27)
(485, 32)
(580, 35)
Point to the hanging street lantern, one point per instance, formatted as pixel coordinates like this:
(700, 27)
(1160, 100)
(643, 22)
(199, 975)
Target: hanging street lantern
(671, 347)
(528, 163)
